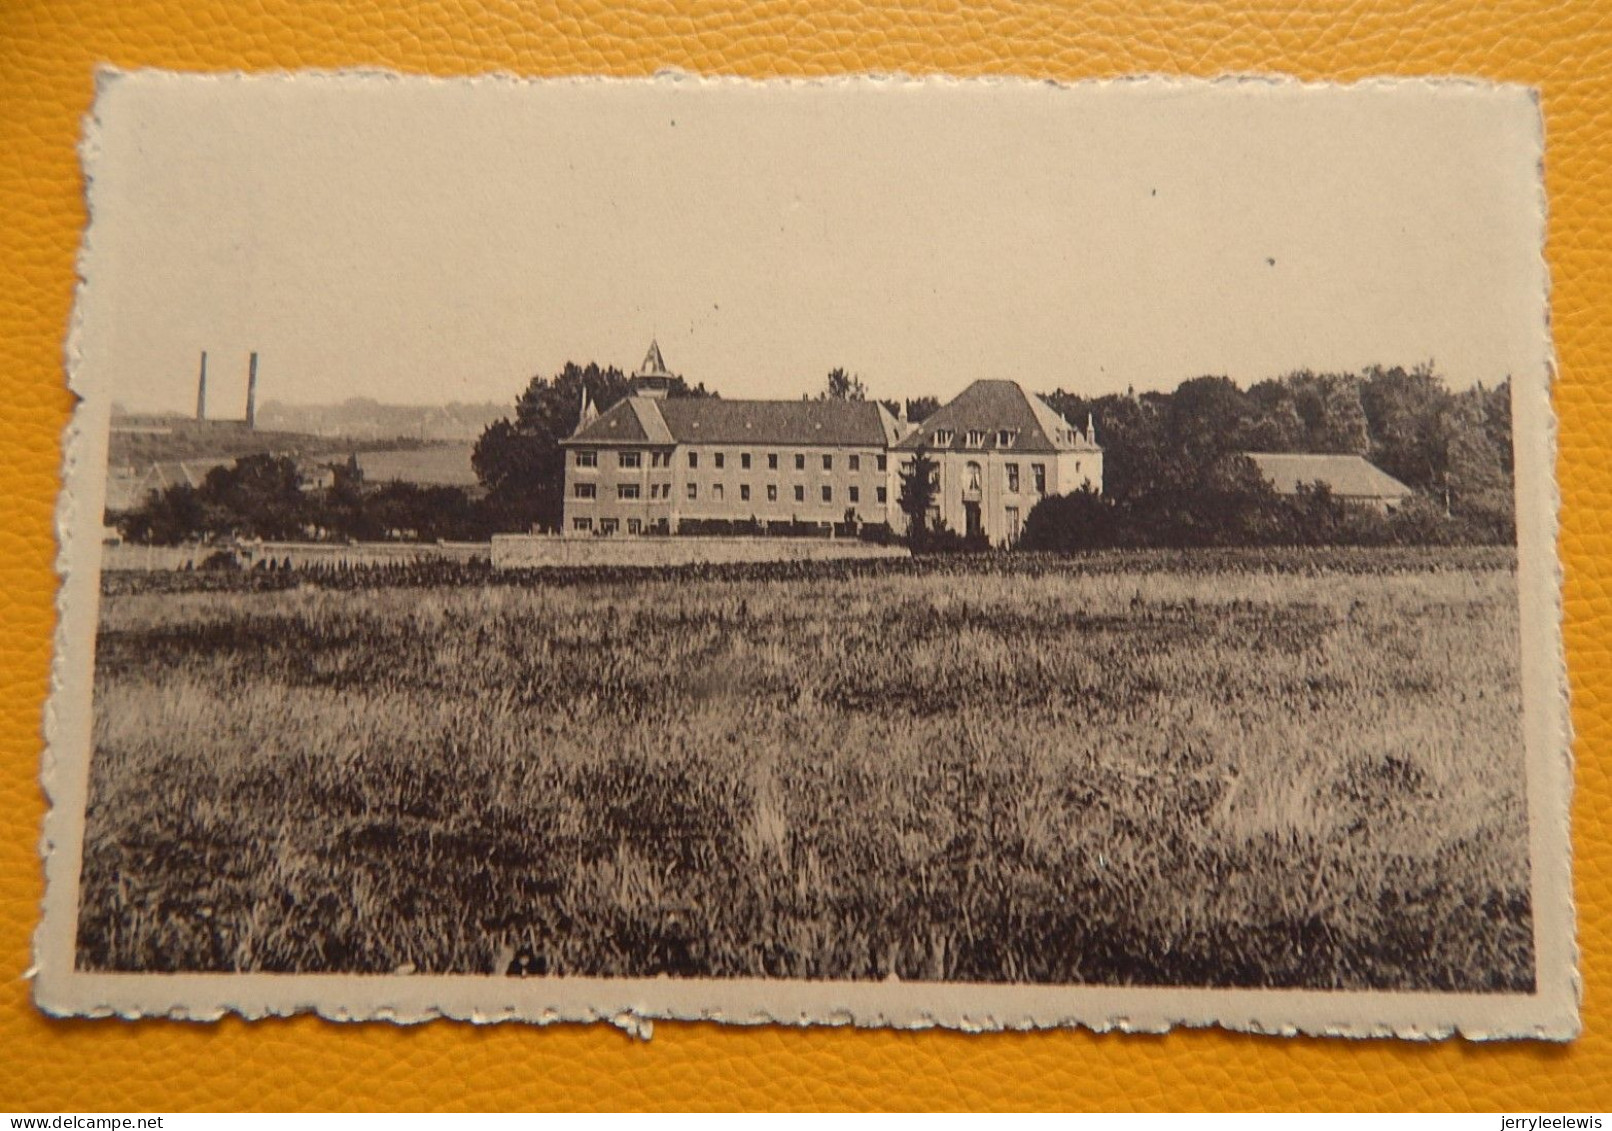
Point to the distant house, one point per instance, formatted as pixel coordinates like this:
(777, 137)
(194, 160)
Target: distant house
(315, 475)
(1350, 478)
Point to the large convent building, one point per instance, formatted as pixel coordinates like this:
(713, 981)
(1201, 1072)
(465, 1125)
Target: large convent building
(653, 464)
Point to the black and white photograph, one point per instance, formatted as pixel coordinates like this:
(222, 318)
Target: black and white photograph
(877, 551)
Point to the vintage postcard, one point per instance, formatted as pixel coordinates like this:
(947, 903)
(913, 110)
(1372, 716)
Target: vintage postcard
(875, 551)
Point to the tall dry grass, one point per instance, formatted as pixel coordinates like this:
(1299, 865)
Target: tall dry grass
(1222, 777)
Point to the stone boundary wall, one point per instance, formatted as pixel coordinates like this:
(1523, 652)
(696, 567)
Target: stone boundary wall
(360, 553)
(507, 551)
(126, 557)
(529, 551)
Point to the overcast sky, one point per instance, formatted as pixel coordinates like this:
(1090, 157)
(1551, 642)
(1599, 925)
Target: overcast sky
(423, 242)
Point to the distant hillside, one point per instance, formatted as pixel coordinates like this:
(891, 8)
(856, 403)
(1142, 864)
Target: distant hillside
(150, 452)
(142, 441)
(365, 419)
(430, 465)
(185, 441)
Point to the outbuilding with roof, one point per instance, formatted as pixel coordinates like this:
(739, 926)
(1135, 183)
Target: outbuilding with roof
(1349, 477)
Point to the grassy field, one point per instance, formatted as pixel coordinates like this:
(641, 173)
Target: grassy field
(1226, 769)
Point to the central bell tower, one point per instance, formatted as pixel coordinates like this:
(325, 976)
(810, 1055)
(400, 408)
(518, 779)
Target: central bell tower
(652, 378)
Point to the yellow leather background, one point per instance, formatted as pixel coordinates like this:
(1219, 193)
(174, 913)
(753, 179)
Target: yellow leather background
(47, 50)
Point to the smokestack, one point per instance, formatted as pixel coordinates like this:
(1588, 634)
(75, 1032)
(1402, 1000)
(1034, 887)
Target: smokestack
(201, 389)
(251, 392)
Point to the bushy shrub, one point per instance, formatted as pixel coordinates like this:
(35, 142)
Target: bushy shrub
(1064, 524)
(1218, 516)
(720, 527)
(796, 528)
(938, 538)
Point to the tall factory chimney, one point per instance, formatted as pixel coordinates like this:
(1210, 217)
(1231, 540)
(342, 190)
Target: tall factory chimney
(251, 392)
(201, 390)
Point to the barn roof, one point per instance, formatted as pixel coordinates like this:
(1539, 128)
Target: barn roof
(127, 487)
(992, 406)
(1349, 476)
(708, 420)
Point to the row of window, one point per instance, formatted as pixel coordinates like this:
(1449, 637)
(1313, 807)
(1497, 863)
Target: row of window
(588, 457)
(664, 491)
(974, 477)
(608, 525)
(973, 482)
(584, 525)
(1038, 473)
(976, 437)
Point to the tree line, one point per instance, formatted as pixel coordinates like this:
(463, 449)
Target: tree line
(1176, 472)
(1174, 468)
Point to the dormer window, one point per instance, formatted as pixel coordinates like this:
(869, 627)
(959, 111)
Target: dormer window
(976, 437)
(944, 437)
(1005, 437)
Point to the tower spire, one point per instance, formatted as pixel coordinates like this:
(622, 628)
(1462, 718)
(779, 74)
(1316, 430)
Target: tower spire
(654, 365)
(652, 378)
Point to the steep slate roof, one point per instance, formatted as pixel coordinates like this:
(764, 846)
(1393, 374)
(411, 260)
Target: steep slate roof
(695, 420)
(1348, 476)
(992, 405)
(632, 420)
(708, 420)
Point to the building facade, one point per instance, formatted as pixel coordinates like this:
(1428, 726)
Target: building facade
(653, 464)
(997, 450)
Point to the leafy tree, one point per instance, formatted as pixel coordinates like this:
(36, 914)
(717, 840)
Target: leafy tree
(1402, 415)
(167, 518)
(427, 514)
(917, 494)
(1275, 425)
(1497, 420)
(1333, 414)
(1478, 481)
(258, 496)
(342, 510)
(1227, 503)
(1206, 417)
(347, 486)
(842, 385)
